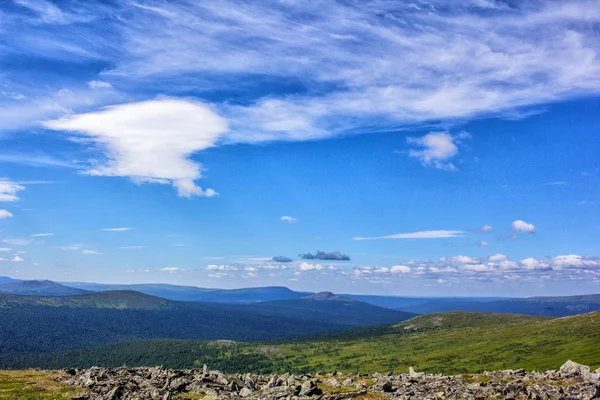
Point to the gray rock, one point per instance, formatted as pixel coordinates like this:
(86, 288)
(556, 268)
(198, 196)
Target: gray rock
(571, 368)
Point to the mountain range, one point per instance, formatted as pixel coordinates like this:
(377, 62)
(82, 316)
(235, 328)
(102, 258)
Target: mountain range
(544, 306)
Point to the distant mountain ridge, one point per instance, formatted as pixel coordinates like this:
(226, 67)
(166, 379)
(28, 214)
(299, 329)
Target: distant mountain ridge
(193, 293)
(550, 306)
(39, 288)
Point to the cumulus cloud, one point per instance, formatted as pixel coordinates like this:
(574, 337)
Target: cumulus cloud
(310, 267)
(417, 235)
(436, 149)
(17, 259)
(400, 269)
(116, 229)
(523, 227)
(9, 190)
(149, 141)
(282, 259)
(4, 214)
(322, 255)
(497, 257)
(289, 219)
(485, 228)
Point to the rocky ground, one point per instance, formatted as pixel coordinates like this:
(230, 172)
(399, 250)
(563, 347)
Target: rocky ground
(572, 381)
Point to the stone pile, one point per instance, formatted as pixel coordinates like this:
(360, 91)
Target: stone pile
(572, 381)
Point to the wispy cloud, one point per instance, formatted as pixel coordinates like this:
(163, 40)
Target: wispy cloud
(71, 247)
(90, 252)
(42, 234)
(417, 235)
(116, 229)
(36, 160)
(131, 247)
(383, 62)
(18, 241)
(9, 190)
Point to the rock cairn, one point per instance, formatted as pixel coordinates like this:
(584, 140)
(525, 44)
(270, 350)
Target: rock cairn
(572, 381)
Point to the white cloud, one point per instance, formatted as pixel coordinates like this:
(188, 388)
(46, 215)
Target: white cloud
(138, 270)
(477, 268)
(4, 214)
(71, 247)
(90, 252)
(99, 85)
(5, 249)
(131, 247)
(170, 269)
(250, 275)
(522, 226)
(17, 259)
(310, 267)
(533, 264)
(497, 257)
(400, 269)
(9, 190)
(213, 267)
(116, 229)
(462, 260)
(436, 148)
(150, 141)
(485, 228)
(289, 219)
(17, 241)
(42, 234)
(483, 243)
(178, 245)
(417, 235)
(217, 275)
(384, 67)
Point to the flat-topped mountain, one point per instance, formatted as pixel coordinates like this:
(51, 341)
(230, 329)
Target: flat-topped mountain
(326, 296)
(193, 293)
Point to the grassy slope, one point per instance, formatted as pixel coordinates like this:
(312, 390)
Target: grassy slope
(34, 385)
(458, 342)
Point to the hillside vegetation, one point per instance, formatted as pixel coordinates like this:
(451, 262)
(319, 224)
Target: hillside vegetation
(36, 324)
(458, 342)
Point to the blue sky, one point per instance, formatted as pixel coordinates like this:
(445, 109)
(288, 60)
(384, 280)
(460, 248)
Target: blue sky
(446, 149)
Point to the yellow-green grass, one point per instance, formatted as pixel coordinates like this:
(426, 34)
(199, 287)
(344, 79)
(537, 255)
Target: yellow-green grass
(34, 385)
(530, 343)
